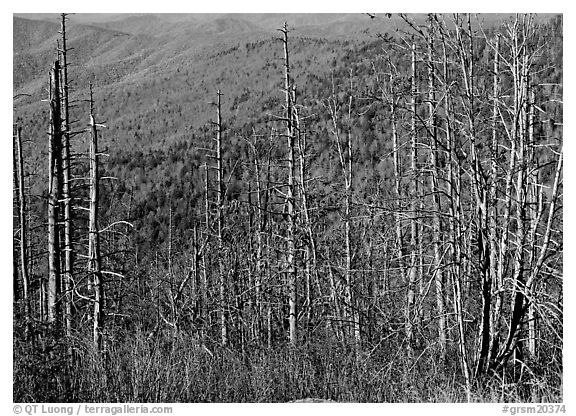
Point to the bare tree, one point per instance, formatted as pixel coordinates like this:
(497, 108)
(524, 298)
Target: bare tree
(94, 257)
(291, 271)
(66, 181)
(456, 217)
(413, 269)
(54, 196)
(344, 148)
(22, 212)
(437, 229)
(220, 222)
(497, 278)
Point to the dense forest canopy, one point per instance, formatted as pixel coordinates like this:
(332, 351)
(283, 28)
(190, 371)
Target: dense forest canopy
(330, 205)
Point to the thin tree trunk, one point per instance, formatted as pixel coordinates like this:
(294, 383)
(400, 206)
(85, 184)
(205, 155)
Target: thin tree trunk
(196, 285)
(480, 197)
(173, 296)
(497, 280)
(350, 275)
(310, 249)
(397, 188)
(94, 258)
(436, 222)
(456, 219)
(412, 277)
(345, 157)
(350, 307)
(339, 332)
(543, 252)
(535, 203)
(204, 287)
(251, 249)
(15, 203)
(23, 232)
(290, 197)
(220, 224)
(504, 240)
(519, 274)
(258, 309)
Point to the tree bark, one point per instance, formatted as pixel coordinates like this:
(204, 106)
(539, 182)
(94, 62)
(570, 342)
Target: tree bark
(66, 176)
(54, 196)
(290, 197)
(94, 258)
(436, 221)
(456, 218)
(220, 224)
(412, 276)
(497, 279)
(520, 67)
(479, 189)
(205, 316)
(22, 211)
(310, 249)
(397, 186)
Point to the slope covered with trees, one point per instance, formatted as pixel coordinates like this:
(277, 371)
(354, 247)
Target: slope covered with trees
(377, 218)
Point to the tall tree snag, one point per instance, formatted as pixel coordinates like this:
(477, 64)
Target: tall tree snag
(220, 223)
(291, 272)
(412, 272)
(66, 177)
(54, 196)
(22, 212)
(437, 231)
(94, 258)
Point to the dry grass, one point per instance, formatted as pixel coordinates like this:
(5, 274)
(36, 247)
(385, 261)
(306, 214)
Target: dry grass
(179, 370)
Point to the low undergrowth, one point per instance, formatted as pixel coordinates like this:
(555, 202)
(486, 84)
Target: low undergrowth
(167, 369)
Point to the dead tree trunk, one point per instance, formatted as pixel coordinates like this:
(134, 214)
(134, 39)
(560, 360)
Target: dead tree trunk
(466, 55)
(503, 251)
(456, 216)
(520, 274)
(291, 272)
(544, 248)
(310, 248)
(535, 207)
(54, 196)
(436, 221)
(23, 231)
(497, 280)
(16, 204)
(522, 46)
(220, 224)
(344, 148)
(260, 229)
(412, 277)
(67, 200)
(353, 315)
(94, 258)
(397, 179)
(205, 316)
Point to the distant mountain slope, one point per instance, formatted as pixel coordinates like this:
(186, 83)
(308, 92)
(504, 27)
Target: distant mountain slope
(227, 25)
(92, 46)
(151, 89)
(155, 88)
(148, 24)
(83, 18)
(31, 35)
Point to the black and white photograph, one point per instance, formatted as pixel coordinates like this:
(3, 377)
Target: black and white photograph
(287, 208)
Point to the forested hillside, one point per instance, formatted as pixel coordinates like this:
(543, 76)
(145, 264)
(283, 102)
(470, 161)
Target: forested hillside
(358, 208)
